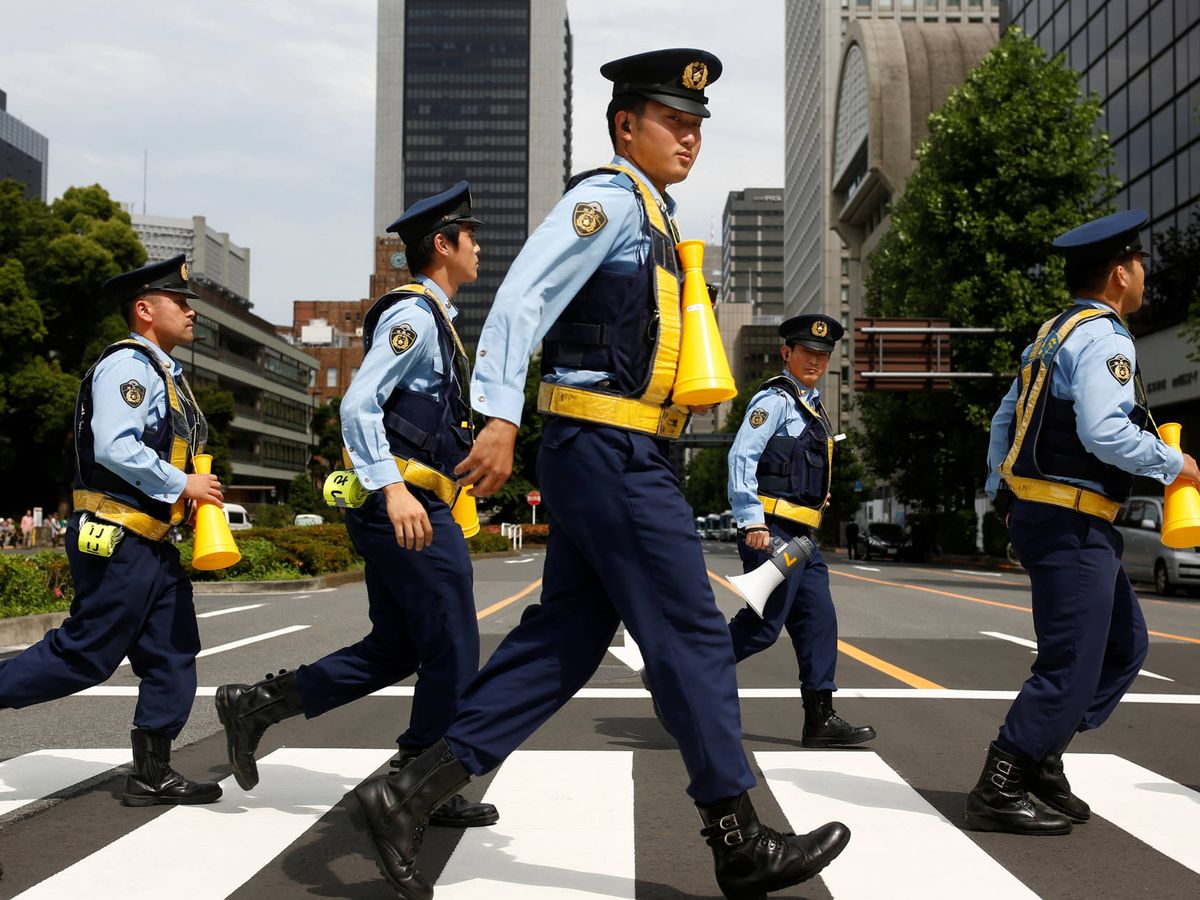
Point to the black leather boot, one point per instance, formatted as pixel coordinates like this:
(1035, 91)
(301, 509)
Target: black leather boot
(1048, 783)
(396, 809)
(825, 728)
(247, 710)
(458, 811)
(1000, 801)
(752, 859)
(153, 781)
(654, 703)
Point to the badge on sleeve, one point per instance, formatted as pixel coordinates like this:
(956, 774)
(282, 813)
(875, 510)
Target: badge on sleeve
(588, 218)
(401, 338)
(1121, 368)
(758, 417)
(133, 393)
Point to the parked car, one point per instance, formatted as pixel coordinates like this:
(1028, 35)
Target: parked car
(1146, 558)
(882, 539)
(237, 517)
(308, 519)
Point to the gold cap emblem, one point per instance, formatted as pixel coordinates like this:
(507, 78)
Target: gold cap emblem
(819, 328)
(695, 76)
(183, 271)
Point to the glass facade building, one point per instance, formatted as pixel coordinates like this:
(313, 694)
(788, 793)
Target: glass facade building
(24, 153)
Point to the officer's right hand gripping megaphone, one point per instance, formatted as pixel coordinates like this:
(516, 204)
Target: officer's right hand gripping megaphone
(756, 586)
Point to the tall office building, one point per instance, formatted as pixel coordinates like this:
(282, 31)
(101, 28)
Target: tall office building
(24, 153)
(211, 255)
(481, 90)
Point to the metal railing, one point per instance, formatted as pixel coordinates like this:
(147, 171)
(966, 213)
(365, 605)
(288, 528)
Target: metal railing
(513, 533)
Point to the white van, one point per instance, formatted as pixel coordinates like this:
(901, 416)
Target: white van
(237, 517)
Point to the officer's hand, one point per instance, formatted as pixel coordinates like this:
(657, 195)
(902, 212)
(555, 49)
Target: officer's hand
(203, 489)
(1190, 471)
(757, 538)
(413, 531)
(828, 500)
(490, 461)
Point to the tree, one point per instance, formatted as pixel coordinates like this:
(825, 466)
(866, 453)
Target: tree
(1173, 282)
(218, 408)
(1013, 158)
(304, 498)
(327, 435)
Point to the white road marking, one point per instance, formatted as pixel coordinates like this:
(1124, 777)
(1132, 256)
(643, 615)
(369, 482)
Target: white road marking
(970, 572)
(233, 645)
(238, 836)
(1154, 809)
(866, 568)
(630, 653)
(898, 838)
(24, 779)
(518, 562)
(227, 611)
(560, 836)
(1025, 642)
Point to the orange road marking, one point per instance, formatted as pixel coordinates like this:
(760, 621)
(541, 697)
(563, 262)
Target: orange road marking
(881, 665)
(496, 607)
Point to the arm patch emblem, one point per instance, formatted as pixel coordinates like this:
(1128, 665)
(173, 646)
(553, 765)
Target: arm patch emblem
(133, 393)
(1121, 368)
(758, 417)
(401, 338)
(588, 218)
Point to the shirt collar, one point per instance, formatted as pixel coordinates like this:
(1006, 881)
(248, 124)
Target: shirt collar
(811, 395)
(666, 201)
(172, 365)
(437, 292)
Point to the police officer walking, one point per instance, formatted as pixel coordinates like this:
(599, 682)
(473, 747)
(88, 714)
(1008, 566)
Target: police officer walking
(598, 284)
(779, 477)
(1065, 444)
(406, 424)
(137, 427)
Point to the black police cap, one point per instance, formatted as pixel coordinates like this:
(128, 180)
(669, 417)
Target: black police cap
(168, 275)
(451, 206)
(815, 331)
(675, 78)
(1100, 240)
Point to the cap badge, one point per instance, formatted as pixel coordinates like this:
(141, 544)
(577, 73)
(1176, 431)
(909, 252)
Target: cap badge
(819, 328)
(588, 218)
(133, 393)
(695, 76)
(401, 338)
(183, 271)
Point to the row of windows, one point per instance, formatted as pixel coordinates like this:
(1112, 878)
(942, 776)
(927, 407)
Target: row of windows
(457, 78)
(494, 9)
(483, 173)
(285, 454)
(465, 156)
(279, 410)
(449, 119)
(441, 140)
(447, 92)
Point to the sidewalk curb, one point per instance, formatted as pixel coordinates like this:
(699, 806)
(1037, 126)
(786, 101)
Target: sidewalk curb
(28, 629)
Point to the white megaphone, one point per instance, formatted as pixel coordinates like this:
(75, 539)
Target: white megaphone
(756, 586)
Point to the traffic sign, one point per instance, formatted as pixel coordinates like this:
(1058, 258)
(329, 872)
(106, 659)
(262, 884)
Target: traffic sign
(533, 498)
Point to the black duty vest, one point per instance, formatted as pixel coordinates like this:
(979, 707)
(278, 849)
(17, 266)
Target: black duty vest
(1044, 444)
(436, 431)
(797, 469)
(180, 435)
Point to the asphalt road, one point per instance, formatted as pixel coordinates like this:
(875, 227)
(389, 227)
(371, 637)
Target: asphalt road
(594, 805)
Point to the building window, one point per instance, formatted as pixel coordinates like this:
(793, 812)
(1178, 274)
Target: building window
(331, 377)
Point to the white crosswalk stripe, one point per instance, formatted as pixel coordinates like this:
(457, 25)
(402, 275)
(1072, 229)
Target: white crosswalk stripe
(26, 779)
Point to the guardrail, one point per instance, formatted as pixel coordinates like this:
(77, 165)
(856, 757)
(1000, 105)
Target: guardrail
(513, 533)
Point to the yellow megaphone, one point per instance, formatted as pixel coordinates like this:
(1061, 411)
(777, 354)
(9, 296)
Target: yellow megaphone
(703, 374)
(465, 513)
(1181, 501)
(214, 547)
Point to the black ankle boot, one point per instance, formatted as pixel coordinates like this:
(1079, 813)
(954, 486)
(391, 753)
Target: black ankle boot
(397, 809)
(1000, 801)
(752, 859)
(247, 710)
(1048, 783)
(153, 781)
(458, 811)
(825, 728)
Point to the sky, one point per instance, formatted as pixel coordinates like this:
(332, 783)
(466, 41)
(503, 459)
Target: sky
(260, 115)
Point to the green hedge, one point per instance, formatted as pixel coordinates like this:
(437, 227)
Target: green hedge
(34, 584)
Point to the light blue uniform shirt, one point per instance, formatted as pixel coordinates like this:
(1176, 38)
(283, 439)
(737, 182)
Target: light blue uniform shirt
(1102, 406)
(117, 427)
(419, 368)
(550, 270)
(782, 419)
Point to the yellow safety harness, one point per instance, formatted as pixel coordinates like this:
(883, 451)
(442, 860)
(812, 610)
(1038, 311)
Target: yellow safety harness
(794, 512)
(652, 412)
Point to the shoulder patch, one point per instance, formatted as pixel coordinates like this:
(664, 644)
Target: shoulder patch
(588, 218)
(401, 338)
(133, 393)
(757, 417)
(1121, 368)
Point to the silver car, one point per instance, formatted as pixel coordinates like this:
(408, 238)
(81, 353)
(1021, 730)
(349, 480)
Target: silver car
(1146, 558)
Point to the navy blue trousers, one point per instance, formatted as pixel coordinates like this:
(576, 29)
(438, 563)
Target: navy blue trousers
(802, 605)
(422, 609)
(1090, 632)
(623, 547)
(135, 603)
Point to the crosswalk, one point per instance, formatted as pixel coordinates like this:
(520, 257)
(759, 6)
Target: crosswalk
(565, 837)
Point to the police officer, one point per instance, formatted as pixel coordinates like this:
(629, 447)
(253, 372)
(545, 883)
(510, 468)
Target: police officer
(1065, 444)
(406, 424)
(137, 427)
(779, 475)
(597, 284)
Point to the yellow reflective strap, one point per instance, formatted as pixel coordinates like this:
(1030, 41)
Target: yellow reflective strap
(418, 288)
(629, 413)
(793, 512)
(118, 513)
(1055, 493)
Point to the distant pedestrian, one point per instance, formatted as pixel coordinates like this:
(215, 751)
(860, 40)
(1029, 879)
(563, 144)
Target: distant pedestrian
(852, 540)
(27, 529)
